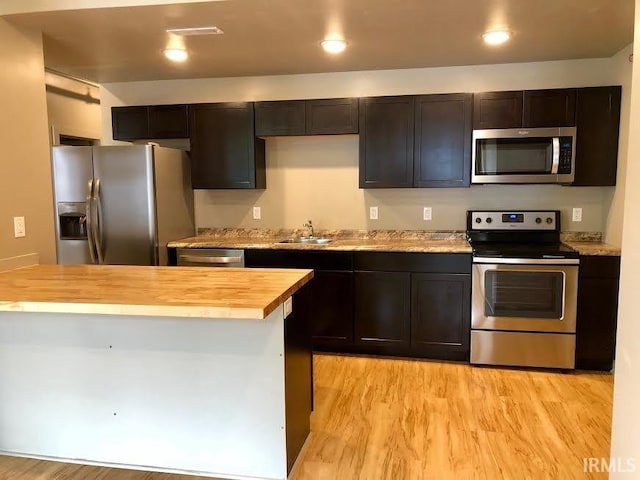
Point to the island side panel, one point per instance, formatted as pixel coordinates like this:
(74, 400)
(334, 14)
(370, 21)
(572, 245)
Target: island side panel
(169, 394)
(298, 374)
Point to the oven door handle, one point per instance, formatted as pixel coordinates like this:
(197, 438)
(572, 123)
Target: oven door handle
(528, 261)
(555, 155)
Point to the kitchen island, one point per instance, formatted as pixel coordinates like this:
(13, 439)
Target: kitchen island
(190, 370)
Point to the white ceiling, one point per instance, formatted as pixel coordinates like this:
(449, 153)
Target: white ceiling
(271, 37)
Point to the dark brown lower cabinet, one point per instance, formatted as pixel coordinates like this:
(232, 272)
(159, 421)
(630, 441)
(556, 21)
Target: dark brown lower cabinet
(597, 312)
(332, 304)
(330, 292)
(440, 315)
(383, 310)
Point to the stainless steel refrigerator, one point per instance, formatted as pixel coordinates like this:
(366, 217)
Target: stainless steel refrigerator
(120, 205)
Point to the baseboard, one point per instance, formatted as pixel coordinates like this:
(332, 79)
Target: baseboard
(20, 261)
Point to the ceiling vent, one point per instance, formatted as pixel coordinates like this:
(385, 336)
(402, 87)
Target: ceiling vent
(195, 31)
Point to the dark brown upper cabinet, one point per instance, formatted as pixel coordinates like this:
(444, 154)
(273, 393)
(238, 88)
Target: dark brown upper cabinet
(150, 122)
(598, 125)
(442, 140)
(225, 153)
(497, 110)
(334, 116)
(130, 123)
(549, 108)
(280, 118)
(386, 142)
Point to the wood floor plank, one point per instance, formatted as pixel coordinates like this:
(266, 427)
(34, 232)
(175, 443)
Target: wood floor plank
(410, 419)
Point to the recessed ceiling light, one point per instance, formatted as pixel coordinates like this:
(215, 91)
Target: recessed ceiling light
(193, 31)
(334, 46)
(496, 37)
(176, 54)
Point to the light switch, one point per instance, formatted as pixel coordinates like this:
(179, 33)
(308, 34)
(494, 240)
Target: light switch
(257, 213)
(373, 213)
(577, 214)
(19, 229)
(426, 214)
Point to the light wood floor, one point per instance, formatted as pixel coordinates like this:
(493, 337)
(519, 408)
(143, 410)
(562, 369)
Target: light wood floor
(405, 419)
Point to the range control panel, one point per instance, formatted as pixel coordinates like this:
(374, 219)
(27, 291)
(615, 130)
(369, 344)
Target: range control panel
(544, 220)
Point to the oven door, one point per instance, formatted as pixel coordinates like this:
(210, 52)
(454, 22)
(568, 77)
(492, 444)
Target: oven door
(525, 295)
(539, 155)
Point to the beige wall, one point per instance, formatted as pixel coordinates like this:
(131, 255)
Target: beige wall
(621, 69)
(317, 176)
(25, 183)
(626, 414)
(73, 107)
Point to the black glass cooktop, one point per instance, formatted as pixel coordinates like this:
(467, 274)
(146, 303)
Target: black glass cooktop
(523, 250)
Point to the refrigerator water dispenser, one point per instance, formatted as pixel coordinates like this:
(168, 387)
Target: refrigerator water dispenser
(72, 221)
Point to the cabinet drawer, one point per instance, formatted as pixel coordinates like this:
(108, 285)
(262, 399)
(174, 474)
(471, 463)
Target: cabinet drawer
(299, 259)
(413, 262)
(599, 267)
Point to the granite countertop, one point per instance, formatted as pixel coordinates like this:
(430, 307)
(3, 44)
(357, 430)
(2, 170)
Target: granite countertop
(251, 293)
(432, 242)
(586, 243)
(593, 248)
(589, 243)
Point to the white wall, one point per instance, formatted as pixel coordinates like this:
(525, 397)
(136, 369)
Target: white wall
(25, 183)
(317, 176)
(626, 401)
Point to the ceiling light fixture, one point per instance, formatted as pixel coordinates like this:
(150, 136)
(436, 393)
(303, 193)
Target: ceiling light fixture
(334, 45)
(176, 54)
(193, 31)
(496, 37)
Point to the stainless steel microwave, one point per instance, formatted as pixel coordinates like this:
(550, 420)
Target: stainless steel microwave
(524, 155)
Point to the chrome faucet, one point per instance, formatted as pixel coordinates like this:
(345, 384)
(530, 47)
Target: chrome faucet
(309, 227)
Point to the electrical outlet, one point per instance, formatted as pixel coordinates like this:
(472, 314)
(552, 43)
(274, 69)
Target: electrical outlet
(577, 214)
(426, 214)
(19, 229)
(373, 213)
(257, 213)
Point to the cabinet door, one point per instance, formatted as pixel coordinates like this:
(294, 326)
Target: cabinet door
(224, 150)
(497, 110)
(440, 315)
(280, 118)
(550, 108)
(597, 312)
(130, 123)
(332, 309)
(383, 306)
(332, 116)
(386, 142)
(597, 123)
(442, 140)
(168, 121)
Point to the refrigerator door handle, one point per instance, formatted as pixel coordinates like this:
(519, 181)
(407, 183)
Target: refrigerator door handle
(98, 222)
(90, 226)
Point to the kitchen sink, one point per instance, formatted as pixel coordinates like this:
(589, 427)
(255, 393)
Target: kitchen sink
(307, 241)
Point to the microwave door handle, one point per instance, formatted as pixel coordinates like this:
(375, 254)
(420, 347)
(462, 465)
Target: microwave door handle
(555, 155)
(89, 226)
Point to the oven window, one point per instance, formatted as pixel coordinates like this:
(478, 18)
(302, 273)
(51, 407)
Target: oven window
(523, 294)
(508, 156)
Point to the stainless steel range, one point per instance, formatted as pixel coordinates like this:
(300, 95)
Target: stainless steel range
(524, 290)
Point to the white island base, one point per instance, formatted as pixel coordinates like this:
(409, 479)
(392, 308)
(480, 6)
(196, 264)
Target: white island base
(200, 396)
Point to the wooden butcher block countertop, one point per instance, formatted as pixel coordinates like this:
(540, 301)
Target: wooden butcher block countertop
(150, 291)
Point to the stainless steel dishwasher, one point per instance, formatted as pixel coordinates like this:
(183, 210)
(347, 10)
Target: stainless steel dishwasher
(210, 257)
